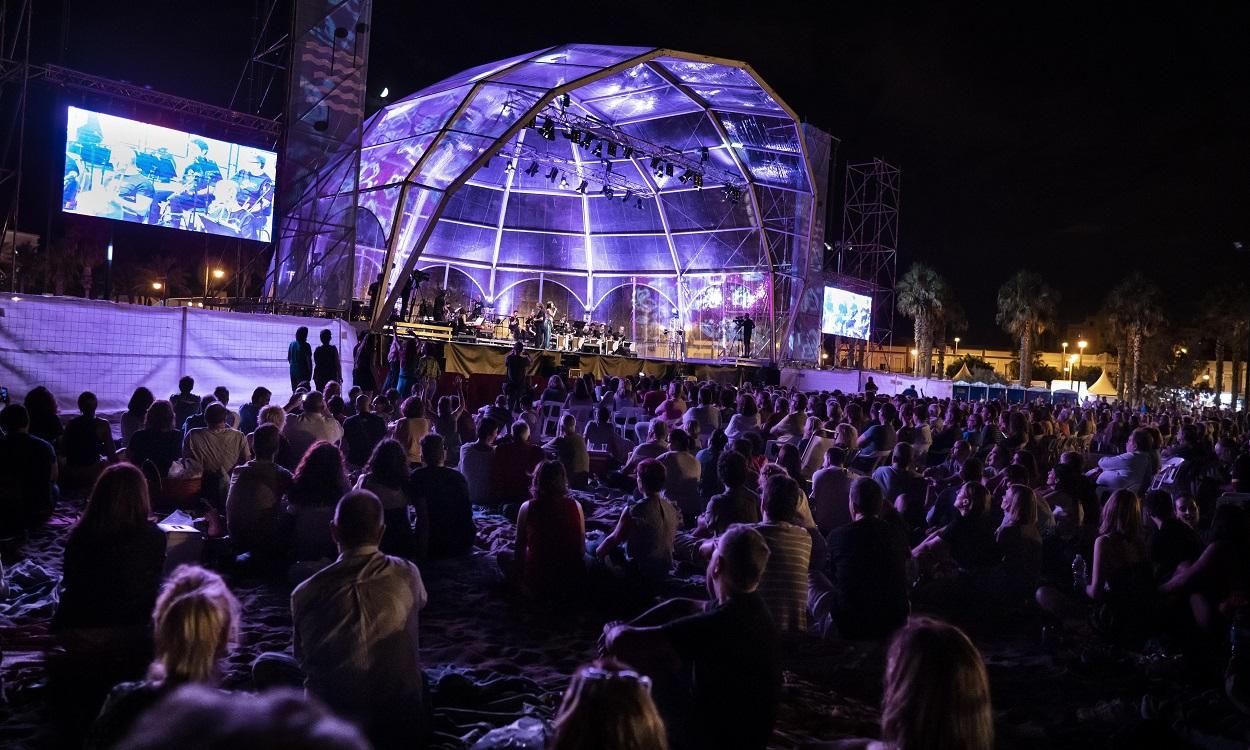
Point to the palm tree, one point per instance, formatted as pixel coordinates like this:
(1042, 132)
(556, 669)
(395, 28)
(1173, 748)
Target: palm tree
(920, 293)
(1134, 305)
(1026, 308)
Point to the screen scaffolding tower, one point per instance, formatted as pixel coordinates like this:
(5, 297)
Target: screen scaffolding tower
(869, 247)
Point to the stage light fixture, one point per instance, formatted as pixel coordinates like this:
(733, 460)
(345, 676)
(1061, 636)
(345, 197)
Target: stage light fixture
(607, 165)
(698, 181)
(553, 174)
(668, 170)
(564, 183)
(638, 205)
(565, 101)
(588, 139)
(573, 134)
(607, 192)
(582, 187)
(611, 148)
(532, 169)
(629, 152)
(655, 163)
(511, 165)
(685, 176)
(548, 129)
(703, 153)
(598, 150)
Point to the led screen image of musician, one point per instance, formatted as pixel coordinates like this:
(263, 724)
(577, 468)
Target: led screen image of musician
(134, 171)
(846, 314)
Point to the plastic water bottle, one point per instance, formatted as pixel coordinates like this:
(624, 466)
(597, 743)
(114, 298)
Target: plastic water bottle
(1080, 573)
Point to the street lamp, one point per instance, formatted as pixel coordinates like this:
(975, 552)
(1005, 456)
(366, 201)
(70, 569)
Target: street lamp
(217, 274)
(1081, 345)
(957, 346)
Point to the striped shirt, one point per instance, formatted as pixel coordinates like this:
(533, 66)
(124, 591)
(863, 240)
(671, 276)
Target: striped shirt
(784, 585)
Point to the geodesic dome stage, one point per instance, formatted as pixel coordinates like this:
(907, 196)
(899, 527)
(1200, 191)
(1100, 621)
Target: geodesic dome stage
(645, 188)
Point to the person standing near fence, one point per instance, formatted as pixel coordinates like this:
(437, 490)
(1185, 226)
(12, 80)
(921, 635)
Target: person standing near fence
(299, 357)
(326, 364)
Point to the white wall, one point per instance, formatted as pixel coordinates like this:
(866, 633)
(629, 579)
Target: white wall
(72, 345)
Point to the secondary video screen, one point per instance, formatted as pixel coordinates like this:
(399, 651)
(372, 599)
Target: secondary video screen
(846, 314)
(135, 171)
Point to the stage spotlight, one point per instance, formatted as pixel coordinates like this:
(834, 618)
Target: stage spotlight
(598, 149)
(588, 139)
(611, 148)
(548, 130)
(565, 100)
(685, 176)
(582, 187)
(638, 205)
(698, 181)
(629, 152)
(564, 183)
(703, 153)
(532, 169)
(511, 165)
(573, 134)
(655, 163)
(553, 174)
(607, 192)
(668, 170)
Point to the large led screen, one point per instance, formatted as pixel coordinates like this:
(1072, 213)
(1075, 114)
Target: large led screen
(846, 314)
(128, 170)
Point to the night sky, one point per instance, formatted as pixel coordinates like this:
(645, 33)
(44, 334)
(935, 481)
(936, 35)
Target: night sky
(1082, 142)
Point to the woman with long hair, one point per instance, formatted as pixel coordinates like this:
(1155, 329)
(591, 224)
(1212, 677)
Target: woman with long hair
(159, 441)
(136, 412)
(408, 367)
(320, 480)
(446, 424)
(936, 692)
(608, 707)
(386, 475)
(113, 556)
(44, 422)
(196, 622)
(1019, 544)
(550, 537)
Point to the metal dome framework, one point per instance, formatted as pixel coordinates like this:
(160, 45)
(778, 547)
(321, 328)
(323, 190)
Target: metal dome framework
(475, 180)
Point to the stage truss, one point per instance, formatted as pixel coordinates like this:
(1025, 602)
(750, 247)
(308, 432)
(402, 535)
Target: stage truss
(869, 247)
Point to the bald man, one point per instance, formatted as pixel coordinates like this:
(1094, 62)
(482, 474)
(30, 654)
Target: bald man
(356, 628)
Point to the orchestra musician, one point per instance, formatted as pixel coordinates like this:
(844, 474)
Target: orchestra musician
(198, 180)
(515, 325)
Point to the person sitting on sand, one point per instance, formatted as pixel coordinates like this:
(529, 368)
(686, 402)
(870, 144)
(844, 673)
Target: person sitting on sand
(87, 445)
(513, 465)
(865, 593)
(937, 693)
(195, 623)
(28, 473)
(724, 654)
(784, 584)
(548, 557)
(569, 448)
(647, 528)
(655, 446)
(319, 481)
(254, 501)
(737, 504)
(356, 625)
(683, 472)
(440, 496)
(477, 459)
(608, 707)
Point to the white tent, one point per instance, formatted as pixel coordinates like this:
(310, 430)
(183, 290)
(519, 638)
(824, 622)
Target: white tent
(1102, 386)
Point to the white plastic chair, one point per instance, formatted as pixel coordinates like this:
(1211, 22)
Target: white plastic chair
(549, 412)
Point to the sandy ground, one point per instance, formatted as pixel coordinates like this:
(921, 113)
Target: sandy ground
(1071, 695)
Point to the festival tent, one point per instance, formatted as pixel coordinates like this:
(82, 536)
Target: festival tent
(1015, 394)
(1103, 387)
(964, 375)
(978, 391)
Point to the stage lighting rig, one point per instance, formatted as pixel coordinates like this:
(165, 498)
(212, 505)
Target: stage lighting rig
(532, 169)
(582, 187)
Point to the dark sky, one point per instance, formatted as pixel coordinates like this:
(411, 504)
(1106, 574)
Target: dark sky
(1080, 141)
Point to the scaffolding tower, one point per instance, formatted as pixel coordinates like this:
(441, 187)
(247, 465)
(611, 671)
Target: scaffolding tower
(869, 246)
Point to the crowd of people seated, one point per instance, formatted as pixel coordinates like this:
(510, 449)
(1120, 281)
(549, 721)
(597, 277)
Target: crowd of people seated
(831, 515)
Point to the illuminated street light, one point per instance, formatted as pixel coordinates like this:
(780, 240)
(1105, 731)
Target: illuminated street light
(157, 285)
(1081, 345)
(218, 274)
(957, 340)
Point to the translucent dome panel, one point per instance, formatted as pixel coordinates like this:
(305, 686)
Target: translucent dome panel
(641, 105)
(597, 55)
(390, 163)
(705, 209)
(638, 78)
(461, 242)
(544, 75)
(546, 212)
(702, 251)
(694, 71)
(634, 216)
(542, 251)
(474, 204)
(494, 108)
(644, 254)
(414, 116)
(452, 155)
